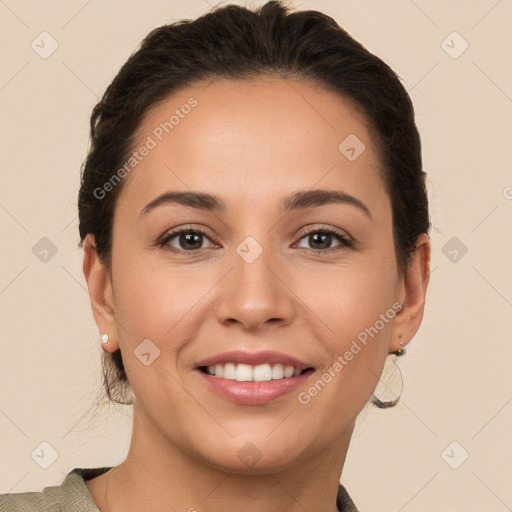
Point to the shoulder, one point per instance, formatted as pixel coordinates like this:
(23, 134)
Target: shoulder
(344, 502)
(69, 496)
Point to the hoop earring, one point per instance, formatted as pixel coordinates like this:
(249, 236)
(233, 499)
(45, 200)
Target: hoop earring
(393, 375)
(104, 338)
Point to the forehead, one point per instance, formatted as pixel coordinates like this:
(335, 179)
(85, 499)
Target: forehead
(250, 140)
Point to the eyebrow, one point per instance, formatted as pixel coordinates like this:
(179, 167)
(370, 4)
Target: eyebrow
(297, 201)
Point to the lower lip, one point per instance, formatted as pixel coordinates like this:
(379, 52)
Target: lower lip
(253, 393)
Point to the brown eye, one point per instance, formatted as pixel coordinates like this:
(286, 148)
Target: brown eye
(184, 240)
(321, 240)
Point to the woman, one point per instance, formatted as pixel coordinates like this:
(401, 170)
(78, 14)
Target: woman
(255, 227)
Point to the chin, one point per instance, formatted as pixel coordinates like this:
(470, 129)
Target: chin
(258, 456)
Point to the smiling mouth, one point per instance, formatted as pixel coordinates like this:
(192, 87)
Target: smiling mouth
(249, 373)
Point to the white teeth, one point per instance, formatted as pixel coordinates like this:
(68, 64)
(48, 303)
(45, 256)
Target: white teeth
(229, 371)
(262, 373)
(277, 371)
(248, 373)
(288, 371)
(243, 373)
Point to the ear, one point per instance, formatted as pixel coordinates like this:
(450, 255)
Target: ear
(411, 291)
(100, 294)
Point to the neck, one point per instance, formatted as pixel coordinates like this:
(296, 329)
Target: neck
(159, 475)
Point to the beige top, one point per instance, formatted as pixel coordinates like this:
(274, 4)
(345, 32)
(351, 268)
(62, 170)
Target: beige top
(74, 496)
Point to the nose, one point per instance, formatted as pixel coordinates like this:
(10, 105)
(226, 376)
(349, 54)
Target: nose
(255, 294)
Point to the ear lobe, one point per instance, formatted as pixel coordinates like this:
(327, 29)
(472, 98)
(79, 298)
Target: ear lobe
(100, 293)
(412, 291)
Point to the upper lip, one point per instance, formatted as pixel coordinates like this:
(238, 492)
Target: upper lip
(253, 359)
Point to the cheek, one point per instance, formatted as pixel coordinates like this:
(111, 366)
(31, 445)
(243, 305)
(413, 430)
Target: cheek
(153, 304)
(357, 345)
(152, 300)
(356, 303)
(350, 297)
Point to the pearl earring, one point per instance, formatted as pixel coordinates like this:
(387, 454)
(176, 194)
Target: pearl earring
(104, 338)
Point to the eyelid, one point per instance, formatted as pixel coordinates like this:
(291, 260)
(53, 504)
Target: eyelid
(324, 228)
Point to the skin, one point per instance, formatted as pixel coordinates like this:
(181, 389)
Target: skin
(250, 143)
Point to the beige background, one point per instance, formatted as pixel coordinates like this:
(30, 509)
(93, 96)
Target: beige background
(457, 378)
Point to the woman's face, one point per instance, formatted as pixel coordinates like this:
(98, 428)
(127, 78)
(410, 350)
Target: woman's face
(249, 277)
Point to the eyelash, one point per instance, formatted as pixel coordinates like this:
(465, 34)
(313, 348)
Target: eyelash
(344, 239)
